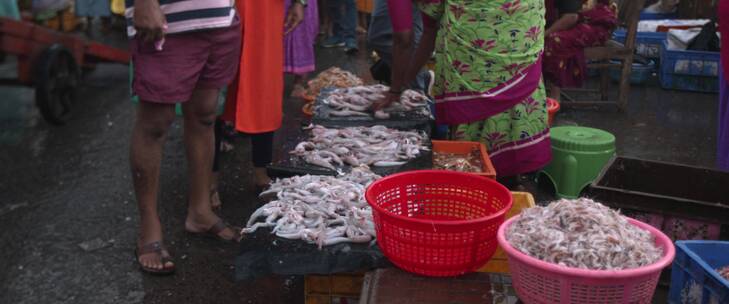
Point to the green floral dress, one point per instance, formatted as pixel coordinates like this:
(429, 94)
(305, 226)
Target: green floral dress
(488, 78)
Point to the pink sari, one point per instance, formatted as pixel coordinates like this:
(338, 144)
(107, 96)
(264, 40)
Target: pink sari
(564, 57)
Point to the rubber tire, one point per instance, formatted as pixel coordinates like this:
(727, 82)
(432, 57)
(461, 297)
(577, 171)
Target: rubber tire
(56, 80)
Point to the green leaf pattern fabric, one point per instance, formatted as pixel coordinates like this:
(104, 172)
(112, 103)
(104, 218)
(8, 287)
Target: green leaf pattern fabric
(481, 44)
(521, 122)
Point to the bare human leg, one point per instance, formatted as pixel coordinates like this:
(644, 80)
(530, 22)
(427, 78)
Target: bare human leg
(362, 26)
(214, 195)
(325, 27)
(299, 85)
(555, 92)
(261, 176)
(262, 150)
(199, 115)
(149, 133)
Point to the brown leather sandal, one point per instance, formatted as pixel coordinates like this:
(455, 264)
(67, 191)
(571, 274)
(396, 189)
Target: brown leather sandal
(159, 249)
(214, 232)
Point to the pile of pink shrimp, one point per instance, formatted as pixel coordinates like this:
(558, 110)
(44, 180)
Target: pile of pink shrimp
(583, 234)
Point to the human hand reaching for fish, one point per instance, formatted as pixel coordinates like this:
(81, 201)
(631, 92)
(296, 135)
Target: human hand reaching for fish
(388, 99)
(363, 101)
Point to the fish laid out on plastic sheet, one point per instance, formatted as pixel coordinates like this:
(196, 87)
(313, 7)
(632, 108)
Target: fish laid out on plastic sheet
(322, 210)
(373, 146)
(357, 101)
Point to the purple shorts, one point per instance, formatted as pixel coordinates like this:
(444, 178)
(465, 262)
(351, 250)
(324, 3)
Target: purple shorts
(206, 60)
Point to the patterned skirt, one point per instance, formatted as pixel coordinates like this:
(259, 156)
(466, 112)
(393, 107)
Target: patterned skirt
(488, 85)
(517, 139)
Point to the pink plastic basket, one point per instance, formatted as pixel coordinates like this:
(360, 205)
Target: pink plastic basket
(536, 281)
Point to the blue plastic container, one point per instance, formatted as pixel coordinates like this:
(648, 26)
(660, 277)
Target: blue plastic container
(639, 74)
(647, 44)
(694, 273)
(689, 70)
(652, 16)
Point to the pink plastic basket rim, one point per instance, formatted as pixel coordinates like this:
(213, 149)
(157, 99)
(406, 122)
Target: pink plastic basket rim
(661, 239)
(370, 197)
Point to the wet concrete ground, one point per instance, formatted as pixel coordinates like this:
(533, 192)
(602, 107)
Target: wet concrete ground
(64, 186)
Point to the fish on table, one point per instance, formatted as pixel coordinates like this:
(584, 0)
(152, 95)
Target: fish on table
(357, 102)
(372, 146)
(321, 210)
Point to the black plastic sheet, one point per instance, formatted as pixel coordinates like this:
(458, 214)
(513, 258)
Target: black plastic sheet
(263, 254)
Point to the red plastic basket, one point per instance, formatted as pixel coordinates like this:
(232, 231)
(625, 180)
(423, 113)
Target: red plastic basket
(438, 223)
(536, 281)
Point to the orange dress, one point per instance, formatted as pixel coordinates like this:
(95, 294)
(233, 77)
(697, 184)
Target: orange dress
(255, 98)
(365, 6)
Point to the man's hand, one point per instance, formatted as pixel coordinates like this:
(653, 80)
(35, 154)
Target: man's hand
(149, 20)
(390, 98)
(294, 18)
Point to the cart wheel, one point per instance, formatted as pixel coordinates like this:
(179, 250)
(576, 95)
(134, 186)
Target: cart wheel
(56, 81)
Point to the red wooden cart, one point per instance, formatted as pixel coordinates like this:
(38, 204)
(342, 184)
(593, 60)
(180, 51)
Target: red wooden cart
(51, 62)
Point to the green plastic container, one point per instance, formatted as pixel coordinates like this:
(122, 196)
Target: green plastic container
(578, 156)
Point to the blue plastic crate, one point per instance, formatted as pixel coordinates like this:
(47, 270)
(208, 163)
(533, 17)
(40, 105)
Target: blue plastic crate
(652, 16)
(647, 44)
(689, 70)
(694, 276)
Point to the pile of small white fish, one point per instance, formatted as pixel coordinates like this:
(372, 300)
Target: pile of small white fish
(583, 234)
(378, 145)
(357, 101)
(322, 210)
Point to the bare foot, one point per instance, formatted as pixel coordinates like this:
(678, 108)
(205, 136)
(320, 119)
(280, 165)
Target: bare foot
(203, 222)
(298, 91)
(261, 177)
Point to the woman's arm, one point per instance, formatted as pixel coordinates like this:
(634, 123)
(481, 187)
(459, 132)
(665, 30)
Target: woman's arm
(424, 50)
(568, 15)
(565, 22)
(294, 17)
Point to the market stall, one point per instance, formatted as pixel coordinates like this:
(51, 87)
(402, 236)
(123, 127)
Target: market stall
(356, 212)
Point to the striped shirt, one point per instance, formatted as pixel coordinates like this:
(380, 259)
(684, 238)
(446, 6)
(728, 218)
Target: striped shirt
(189, 15)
